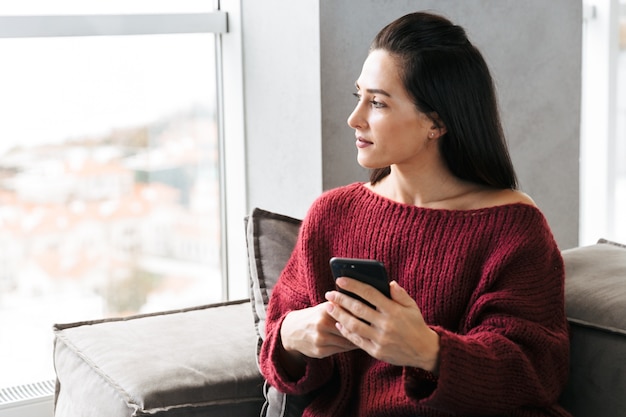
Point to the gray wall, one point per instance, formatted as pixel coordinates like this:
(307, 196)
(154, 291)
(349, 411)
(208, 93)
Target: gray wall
(301, 60)
(281, 44)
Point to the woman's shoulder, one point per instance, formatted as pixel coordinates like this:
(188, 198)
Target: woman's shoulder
(493, 198)
(482, 198)
(512, 206)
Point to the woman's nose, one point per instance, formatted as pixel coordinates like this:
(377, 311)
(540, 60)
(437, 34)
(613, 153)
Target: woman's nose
(356, 119)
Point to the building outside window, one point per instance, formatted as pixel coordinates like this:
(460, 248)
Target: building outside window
(110, 173)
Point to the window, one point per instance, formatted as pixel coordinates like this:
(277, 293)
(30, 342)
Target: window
(603, 139)
(112, 167)
(620, 135)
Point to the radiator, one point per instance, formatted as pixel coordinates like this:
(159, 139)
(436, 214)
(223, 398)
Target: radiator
(30, 400)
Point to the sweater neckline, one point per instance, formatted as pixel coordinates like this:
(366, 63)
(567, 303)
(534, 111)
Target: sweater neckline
(360, 186)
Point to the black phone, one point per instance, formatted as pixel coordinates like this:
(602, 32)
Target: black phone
(369, 271)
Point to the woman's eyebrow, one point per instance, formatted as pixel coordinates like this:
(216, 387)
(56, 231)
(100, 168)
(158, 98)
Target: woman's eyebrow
(373, 90)
(377, 91)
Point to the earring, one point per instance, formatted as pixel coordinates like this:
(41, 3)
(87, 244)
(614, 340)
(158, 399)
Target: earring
(431, 135)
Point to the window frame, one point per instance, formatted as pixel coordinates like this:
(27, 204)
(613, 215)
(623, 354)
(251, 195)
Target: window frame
(111, 24)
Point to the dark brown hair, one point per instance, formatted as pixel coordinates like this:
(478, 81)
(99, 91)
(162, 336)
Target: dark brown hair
(449, 81)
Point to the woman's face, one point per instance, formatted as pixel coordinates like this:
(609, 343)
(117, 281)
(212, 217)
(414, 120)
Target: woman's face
(388, 127)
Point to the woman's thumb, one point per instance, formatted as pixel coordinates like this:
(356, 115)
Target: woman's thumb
(399, 295)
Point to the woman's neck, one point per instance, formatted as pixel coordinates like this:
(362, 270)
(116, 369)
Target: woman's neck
(437, 192)
(443, 191)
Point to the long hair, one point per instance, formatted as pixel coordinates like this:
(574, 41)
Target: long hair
(448, 80)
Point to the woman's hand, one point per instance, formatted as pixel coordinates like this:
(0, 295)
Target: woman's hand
(397, 332)
(310, 332)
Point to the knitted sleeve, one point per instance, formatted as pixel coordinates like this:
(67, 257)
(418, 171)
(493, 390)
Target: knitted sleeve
(512, 348)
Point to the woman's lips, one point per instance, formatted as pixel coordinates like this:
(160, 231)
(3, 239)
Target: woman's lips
(362, 143)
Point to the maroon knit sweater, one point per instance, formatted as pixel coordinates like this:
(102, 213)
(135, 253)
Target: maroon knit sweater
(488, 281)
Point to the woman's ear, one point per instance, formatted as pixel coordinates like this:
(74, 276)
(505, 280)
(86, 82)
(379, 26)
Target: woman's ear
(438, 129)
(436, 132)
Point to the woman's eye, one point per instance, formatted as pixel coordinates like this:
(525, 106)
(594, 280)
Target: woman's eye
(373, 102)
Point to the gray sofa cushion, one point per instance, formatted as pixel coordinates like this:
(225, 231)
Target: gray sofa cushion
(595, 285)
(164, 364)
(595, 294)
(271, 238)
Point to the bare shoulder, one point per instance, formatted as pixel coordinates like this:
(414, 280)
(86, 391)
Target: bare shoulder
(482, 197)
(504, 197)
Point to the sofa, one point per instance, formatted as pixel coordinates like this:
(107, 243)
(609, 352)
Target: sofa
(202, 361)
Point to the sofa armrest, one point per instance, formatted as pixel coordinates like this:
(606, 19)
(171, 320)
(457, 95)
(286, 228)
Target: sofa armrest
(197, 361)
(595, 296)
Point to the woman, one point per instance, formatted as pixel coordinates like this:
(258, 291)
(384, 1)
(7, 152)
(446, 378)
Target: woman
(475, 324)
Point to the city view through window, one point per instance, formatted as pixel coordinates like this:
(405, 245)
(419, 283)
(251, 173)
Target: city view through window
(109, 185)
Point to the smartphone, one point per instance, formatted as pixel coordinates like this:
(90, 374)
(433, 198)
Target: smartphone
(369, 271)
